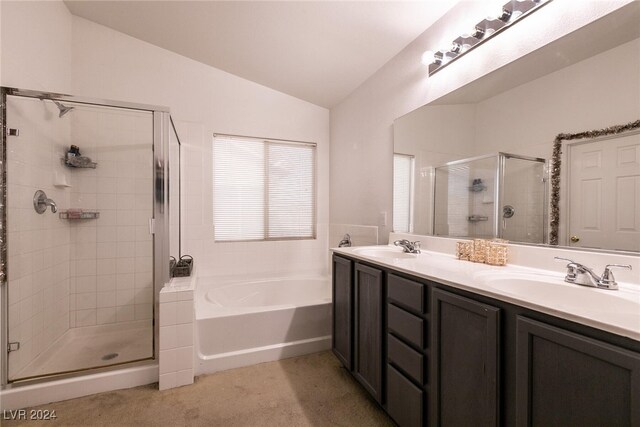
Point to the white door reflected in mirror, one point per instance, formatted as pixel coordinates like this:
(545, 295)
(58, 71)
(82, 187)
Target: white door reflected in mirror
(604, 193)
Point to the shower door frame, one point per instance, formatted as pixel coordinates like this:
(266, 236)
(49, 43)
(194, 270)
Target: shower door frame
(498, 188)
(158, 224)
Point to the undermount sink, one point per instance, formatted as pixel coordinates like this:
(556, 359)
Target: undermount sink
(546, 288)
(386, 252)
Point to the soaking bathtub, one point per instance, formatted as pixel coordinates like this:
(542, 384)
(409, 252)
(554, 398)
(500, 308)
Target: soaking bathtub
(244, 322)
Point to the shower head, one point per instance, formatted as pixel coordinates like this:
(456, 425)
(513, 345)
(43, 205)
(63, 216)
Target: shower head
(63, 108)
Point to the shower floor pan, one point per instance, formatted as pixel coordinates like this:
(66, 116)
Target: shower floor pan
(92, 347)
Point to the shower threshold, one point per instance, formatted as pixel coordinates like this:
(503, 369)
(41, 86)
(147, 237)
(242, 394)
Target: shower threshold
(92, 347)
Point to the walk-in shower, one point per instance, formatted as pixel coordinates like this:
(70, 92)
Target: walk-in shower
(498, 195)
(84, 232)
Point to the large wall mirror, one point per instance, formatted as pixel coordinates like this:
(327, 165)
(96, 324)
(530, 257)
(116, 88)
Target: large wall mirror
(477, 162)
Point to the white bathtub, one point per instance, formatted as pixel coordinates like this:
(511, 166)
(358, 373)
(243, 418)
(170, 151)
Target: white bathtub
(243, 322)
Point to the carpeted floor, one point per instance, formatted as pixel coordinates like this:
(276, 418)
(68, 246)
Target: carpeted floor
(312, 390)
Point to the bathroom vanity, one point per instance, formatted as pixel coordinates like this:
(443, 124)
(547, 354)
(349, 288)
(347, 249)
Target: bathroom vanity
(432, 351)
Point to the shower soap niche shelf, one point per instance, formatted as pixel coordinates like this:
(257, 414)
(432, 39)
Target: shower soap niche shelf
(79, 214)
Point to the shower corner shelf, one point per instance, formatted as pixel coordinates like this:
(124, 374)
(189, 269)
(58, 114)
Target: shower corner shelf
(476, 188)
(79, 215)
(87, 165)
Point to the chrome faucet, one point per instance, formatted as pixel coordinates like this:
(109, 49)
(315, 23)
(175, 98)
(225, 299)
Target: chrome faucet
(408, 247)
(345, 242)
(583, 275)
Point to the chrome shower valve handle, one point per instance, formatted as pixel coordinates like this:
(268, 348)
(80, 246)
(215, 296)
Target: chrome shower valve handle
(41, 201)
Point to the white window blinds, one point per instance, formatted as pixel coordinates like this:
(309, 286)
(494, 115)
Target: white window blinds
(403, 193)
(263, 190)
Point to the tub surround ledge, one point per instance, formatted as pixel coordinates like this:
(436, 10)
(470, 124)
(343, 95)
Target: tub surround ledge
(176, 333)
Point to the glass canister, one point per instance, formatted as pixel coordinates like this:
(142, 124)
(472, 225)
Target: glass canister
(497, 253)
(463, 250)
(479, 253)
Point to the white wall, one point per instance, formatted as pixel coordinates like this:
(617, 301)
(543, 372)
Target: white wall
(36, 45)
(361, 126)
(204, 100)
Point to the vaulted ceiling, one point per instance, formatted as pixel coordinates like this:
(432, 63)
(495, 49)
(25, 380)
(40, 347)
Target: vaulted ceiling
(319, 51)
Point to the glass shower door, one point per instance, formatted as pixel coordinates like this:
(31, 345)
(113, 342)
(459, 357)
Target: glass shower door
(79, 190)
(523, 209)
(464, 196)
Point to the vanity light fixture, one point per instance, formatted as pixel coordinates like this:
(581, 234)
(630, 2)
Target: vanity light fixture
(512, 11)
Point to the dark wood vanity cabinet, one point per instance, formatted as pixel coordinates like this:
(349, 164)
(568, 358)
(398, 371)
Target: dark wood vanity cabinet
(567, 379)
(435, 355)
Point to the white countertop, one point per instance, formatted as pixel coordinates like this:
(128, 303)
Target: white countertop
(619, 312)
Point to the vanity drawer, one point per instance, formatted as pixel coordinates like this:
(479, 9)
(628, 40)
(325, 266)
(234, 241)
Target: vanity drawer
(406, 325)
(406, 358)
(405, 401)
(406, 292)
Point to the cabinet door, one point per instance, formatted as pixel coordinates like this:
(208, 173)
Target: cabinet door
(343, 310)
(368, 329)
(566, 379)
(465, 361)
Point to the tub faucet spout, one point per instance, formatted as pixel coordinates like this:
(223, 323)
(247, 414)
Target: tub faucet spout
(345, 242)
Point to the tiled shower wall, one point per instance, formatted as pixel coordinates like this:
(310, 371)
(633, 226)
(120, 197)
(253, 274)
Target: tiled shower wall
(482, 203)
(111, 257)
(38, 244)
(455, 202)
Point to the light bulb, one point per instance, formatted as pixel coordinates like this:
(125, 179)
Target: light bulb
(428, 57)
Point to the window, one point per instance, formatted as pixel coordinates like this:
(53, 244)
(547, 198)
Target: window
(403, 166)
(263, 189)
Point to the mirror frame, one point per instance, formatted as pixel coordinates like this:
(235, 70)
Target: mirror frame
(556, 168)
